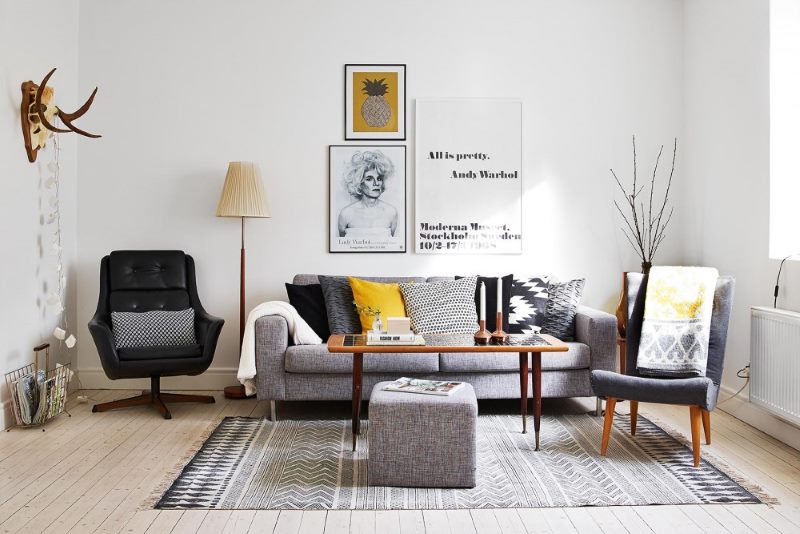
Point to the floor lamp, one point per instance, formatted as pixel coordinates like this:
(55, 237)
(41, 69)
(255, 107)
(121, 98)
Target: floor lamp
(242, 196)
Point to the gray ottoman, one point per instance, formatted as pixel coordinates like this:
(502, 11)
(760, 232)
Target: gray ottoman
(424, 441)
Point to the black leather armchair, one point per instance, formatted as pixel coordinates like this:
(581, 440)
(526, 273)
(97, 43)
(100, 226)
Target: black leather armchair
(141, 281)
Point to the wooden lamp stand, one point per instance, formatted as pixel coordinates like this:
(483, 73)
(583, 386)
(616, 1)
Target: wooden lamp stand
(242, 196)
(237, 391)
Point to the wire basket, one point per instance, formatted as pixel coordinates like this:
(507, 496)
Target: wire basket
(38, 394)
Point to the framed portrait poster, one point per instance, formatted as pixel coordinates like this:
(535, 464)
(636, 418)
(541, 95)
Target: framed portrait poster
(468, 176)
(375, 102)
(367, 198)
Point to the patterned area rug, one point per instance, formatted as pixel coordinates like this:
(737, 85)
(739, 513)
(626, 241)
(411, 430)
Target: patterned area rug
(255, 464)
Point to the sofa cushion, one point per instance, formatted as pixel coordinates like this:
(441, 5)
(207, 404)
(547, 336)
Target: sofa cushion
(317, 359)
(309, 302)
(562, 306)
(442, 307)
(577, 357)
(528, 304)
(342, 315)
(375, 297)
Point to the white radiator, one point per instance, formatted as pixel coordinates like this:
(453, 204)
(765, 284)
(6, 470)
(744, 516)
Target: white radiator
(775, 361)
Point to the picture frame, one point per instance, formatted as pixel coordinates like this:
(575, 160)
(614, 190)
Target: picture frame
(367, 198)
(469, 176)
(375, 102)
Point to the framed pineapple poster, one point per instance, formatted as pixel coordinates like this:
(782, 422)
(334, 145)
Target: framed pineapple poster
(367, 198)
(375, 102)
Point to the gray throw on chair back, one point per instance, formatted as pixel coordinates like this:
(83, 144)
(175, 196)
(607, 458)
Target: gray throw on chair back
(723, 301)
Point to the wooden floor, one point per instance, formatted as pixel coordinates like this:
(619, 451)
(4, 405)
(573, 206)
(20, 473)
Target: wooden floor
(93, 472)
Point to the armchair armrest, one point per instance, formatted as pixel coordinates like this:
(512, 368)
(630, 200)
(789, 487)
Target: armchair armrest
(272, 340)
(598, 329)
(104, 341)
(208, 330)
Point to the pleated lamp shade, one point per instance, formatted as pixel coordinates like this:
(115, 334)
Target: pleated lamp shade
(243, 194)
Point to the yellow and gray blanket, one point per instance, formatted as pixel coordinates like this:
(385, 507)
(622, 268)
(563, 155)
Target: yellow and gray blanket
(677, 321)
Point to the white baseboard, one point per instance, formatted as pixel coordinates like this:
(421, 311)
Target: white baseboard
(212, 379)
(741, 408)
(6, 416)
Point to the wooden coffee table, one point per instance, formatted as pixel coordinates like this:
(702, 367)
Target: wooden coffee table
(524, 345)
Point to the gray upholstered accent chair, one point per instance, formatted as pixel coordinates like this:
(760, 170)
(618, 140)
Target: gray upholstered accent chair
(699, 393)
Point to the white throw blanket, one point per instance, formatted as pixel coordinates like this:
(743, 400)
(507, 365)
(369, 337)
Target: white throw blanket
(301, 334)
(677, 321)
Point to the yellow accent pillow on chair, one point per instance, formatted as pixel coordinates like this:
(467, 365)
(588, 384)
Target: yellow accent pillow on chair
(385, 297)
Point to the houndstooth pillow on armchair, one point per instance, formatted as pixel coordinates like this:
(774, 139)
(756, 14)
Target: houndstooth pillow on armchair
(153, 329)
(442, 307)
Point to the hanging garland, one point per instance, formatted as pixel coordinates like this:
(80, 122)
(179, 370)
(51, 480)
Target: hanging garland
(55, 300)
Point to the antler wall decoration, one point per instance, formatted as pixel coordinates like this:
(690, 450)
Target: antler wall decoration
(38, 111)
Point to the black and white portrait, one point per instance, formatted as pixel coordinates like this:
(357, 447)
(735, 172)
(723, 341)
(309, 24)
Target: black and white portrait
(367, 198)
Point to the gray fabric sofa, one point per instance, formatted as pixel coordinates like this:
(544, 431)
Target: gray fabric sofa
(309, 372)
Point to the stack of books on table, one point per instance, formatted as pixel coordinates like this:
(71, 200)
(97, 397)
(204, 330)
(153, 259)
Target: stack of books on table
(382, 338)
(427, 387)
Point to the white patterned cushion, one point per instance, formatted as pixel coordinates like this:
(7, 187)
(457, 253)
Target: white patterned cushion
(442, 307)
(153, 329)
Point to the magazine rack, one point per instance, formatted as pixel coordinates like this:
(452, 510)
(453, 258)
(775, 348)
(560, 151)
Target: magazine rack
(52, 390)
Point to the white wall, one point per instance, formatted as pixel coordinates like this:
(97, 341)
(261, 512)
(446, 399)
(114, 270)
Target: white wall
(188, 86)
(727, 125)
(26, 270)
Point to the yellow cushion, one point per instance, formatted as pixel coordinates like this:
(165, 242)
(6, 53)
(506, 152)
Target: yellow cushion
(385, 297)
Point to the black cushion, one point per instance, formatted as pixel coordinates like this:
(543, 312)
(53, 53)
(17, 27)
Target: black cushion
(491, 300)
(309, 302)
(159, 353)
(147, 270)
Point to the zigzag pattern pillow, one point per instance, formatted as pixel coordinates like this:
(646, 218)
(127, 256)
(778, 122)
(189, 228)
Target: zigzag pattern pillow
(562, 306)
(153, 329)
(442, 307)
(527, 304)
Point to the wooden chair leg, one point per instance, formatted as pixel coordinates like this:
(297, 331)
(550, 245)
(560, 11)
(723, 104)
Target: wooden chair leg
(180, 397)
(634, 414)
(162, 408)
(139, 400)
(607, 424)
(696, 420)
(707, 425)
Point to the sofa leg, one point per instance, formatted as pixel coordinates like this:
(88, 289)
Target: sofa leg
(598, 411)
(273, 412)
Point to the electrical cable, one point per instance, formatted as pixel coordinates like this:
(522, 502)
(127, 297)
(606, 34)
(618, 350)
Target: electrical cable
(737, 393)
(778, 279)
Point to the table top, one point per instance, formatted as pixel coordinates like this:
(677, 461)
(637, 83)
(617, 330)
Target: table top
(449, 343)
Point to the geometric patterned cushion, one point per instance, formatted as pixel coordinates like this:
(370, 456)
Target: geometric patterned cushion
(153, 328)
(528, 304)
(442, 307)
(562, 306)
(342, 315)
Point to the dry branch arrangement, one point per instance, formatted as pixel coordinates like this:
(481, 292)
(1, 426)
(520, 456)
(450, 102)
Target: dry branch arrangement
(645, 224)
